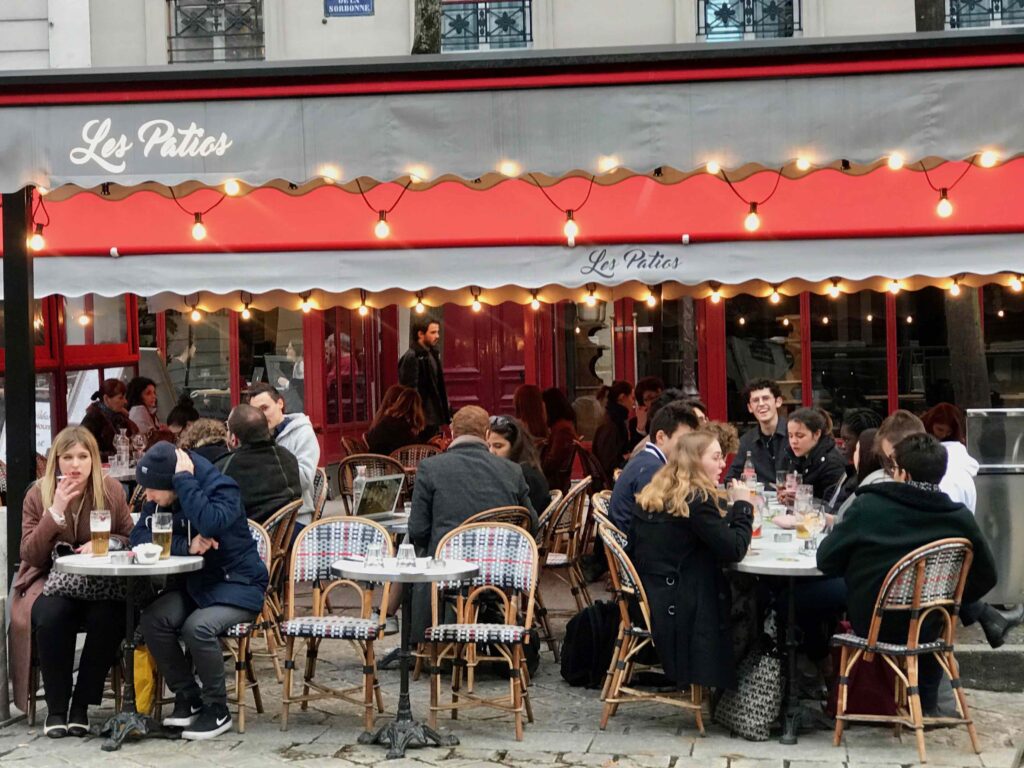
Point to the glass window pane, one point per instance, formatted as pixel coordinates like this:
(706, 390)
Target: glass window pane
(331, 347)
(93, 319)
(1004, 348)
(270, 349)
(357, 366)
(345, 366)
(762, 341)
(38, 325)
(922, 349)
(848, 367)
(44, 414)
(666, 342)
(198, 357)
(147, 324)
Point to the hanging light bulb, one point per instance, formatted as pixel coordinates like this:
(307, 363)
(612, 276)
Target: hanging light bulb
(752, 222)
(713, 167)
(824, 320)
(535, 302)
(870, 318)
(508, 168)
(590, 299)
(894, 287)
(84, 319)
(607, 163)
(803, 164)
(716, 295)
(988, 158)
(570, 230)
(651, 299)
(1016, 284)
(577, 329)
(363, 310)
(910, 319)
(420, 307)
(896, 161)
(196, 314)
(232, 187)
(944, 208)
(37, 242)
(1001, 313)
(476, 305)
(246, 314)
(306, 305)
(833, 290)
(954, 289)
(785, 321)
(775, 297)
(742, 320)
(43, 191)
(198, 228)
(382, 229)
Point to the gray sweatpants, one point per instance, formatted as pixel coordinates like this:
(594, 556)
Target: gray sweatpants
(173, 616)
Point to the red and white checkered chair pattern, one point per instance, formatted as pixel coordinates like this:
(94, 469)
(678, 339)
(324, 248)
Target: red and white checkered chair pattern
(508, 561)
(317, 547)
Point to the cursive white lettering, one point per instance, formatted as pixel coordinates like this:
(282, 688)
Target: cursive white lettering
(100, 146)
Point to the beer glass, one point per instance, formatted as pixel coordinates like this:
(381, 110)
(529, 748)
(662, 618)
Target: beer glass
(99, 532)
(161, 523)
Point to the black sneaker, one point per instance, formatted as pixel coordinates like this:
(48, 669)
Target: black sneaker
(185, 712)
(55, 727)
(212, 721)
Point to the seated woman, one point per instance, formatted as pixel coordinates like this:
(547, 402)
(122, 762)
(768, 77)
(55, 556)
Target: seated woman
(528, 403)
(683, 534)
(207, 437)
(558, 453)
(812, 453)
(142, 404)
(868, 469)
(182, 414)
(107, 414)
(508, 438)
(612, 443)
(398, 423)
(57, 511)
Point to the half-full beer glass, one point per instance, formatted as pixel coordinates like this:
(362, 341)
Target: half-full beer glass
(99, 530)
(161, 524)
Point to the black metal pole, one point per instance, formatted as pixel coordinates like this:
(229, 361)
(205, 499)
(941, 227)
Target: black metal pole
(20, 375)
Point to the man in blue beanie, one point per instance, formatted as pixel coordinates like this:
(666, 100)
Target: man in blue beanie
(209, 521)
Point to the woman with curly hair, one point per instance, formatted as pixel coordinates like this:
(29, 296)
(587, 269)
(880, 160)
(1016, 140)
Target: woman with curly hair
(207, 437)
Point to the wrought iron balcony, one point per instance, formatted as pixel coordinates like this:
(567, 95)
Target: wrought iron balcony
(984, 13)
(215, 30)
(475, 26)
(719, 20)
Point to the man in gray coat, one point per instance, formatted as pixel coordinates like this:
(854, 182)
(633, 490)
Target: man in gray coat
(454, 485)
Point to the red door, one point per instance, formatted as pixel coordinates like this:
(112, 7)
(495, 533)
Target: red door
(484, 357)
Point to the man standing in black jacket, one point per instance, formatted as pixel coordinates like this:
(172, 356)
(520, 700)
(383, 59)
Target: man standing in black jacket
(420, 368)
(267, 473)
(766, 443)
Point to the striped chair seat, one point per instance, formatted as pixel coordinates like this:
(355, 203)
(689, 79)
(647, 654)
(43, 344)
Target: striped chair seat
(895, 649)
(239, 630)
(556, 560)
(476, 633)
(337, 627)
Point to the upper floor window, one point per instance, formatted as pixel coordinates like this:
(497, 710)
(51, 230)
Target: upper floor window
(482, 26)
(722, 20)
(215, 30)
(962, 14)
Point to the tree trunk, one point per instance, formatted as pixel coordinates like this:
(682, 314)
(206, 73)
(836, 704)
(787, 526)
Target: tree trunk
(427, 29)
(967, 363)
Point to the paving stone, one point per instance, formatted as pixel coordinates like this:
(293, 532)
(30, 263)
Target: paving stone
(1000, 758)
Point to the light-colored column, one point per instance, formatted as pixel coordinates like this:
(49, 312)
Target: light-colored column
(156, 31)
(685, 21)
(70, 44)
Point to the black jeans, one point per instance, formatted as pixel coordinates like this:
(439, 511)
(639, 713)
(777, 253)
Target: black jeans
(56, 621)
(173, 616)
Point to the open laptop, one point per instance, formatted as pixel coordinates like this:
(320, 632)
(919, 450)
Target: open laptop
(380, 497)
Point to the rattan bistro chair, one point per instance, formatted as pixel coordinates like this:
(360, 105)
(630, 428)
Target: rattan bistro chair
(517, 516)
(353, 445)
(316, 548)
(377, 465)
(410, 456)
(929, 580)
(320, 487)
(564, 542)
(541, 620)
(634, 636)
(508, 561)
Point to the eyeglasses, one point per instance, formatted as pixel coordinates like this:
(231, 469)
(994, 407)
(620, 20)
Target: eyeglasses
(504, 424)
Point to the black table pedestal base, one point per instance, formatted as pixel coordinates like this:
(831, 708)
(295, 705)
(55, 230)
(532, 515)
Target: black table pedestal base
(126, 724)
(401, 734)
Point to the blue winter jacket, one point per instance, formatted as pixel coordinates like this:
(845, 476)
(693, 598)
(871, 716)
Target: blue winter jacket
(634, 478)
(210, 504)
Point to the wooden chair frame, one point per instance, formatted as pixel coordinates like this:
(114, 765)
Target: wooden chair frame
(903, 659)
(633, 638)
(466, 612)
(320, 488)
(322, 589)
(513, 515)
(410, 456)
(564, 537)
(376, 465)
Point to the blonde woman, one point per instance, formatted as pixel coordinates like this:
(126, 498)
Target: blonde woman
(57, 510)
(684, 532)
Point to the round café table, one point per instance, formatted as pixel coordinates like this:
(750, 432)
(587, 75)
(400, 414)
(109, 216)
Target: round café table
(128, 721)
(404, 731)
(786, 560)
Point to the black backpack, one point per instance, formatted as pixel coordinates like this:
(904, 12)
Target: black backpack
(589, 644)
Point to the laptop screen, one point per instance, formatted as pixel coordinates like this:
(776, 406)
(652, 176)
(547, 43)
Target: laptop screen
(380, 495)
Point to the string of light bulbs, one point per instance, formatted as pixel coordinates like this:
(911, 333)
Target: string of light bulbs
(198, 227)
(944, 208)
(36, 241)
(571, 229)
(752, 221)
(382, 230)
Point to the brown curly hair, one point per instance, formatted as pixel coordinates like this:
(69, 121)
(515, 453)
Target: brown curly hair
(202, 432)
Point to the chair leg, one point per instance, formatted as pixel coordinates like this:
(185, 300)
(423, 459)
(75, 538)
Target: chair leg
(541, 612)
(458, 662)
(250, 674)
(615, 683)
(286, 693)
(369, 678)
(616, 651)
(517, 688)
(961, 697)
(697, 699)
(435, 685)
(418, 669)
(844, 654)
(312, 649)
(915, 706)
(240, 687)
(525, 676)
(471, 662)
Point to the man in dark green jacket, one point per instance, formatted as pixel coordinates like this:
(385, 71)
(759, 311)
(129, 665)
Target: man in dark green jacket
(889, 520)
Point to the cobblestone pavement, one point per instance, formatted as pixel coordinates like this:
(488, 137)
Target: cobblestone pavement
(565, 733)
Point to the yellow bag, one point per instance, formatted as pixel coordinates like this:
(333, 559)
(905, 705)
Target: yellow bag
(145, 679)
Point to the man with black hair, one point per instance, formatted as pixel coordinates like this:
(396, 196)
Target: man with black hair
(890, 520)
(667, 396)
(646, 391)
(420, 368)
(266, 473)
(766, 443)
(670, 422)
